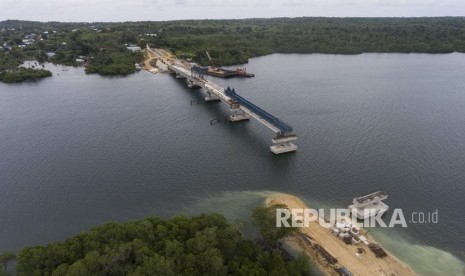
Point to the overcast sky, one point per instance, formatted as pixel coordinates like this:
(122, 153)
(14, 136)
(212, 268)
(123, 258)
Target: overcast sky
(134, 10)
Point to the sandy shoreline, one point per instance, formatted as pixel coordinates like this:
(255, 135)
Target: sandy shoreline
(358, 264)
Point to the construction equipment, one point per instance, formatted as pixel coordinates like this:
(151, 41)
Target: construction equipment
(210, 59)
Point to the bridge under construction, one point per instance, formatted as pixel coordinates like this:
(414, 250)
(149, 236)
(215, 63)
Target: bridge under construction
(240, 108)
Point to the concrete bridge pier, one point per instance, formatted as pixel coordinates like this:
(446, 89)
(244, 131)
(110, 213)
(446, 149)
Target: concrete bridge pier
(283, 144)
(210, 97)
(191, 83)
(237, 114)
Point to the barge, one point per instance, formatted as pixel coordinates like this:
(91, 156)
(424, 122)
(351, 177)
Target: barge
(220, 72)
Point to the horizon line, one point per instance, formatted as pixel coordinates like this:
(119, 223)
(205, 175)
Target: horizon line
(245, 18)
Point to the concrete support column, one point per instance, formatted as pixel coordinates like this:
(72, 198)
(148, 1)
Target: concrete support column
(237, 114)
(283, 145)
(210, 96)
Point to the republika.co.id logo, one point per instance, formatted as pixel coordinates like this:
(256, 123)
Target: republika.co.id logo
(304, 216)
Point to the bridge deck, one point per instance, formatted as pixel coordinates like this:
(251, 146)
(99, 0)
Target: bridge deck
(229, 96)
(284, 132)
(283, 127)
(241, 109)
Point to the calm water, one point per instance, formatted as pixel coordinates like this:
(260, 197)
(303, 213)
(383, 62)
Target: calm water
(78, 150)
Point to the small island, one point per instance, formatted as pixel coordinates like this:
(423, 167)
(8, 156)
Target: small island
(23, 74)
(205, 244)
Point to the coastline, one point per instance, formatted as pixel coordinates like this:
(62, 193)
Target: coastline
(358, 264)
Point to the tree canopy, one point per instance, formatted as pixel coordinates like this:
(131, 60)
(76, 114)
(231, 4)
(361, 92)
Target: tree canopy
(265, 219)
(201, 245)
(227, 41)
(22, 74)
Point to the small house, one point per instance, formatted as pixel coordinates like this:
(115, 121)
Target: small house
(133, 48)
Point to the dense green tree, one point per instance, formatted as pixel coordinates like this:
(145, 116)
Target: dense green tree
(265, 219)
(22, 74)
(202, 245)
(231, 41)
